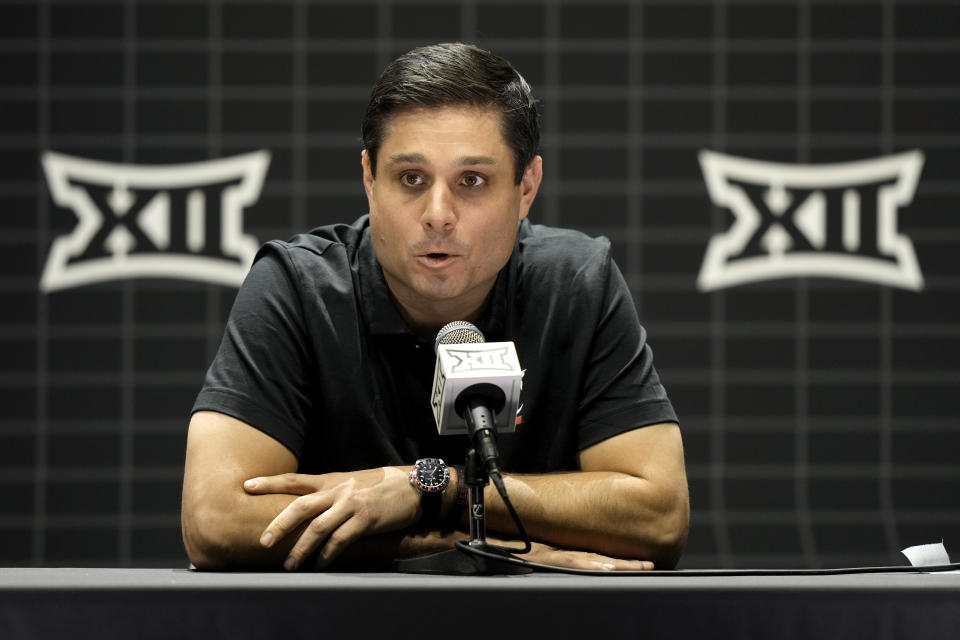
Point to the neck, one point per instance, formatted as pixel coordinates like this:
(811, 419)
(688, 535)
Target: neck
(426, 321)
(425, 316)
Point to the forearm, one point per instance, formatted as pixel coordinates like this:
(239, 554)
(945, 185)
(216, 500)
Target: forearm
(224, 532)
(232, 541)
(283, 520)
(606, 512)
(377, 552)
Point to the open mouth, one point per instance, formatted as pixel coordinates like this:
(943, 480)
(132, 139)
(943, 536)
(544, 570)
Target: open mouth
(436, 258)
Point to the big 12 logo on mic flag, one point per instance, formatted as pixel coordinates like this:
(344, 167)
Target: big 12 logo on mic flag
(829, 220)
(180, 221)
(486, 359)
(460, 366)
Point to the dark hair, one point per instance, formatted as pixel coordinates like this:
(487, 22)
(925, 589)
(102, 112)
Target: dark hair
(451, 74)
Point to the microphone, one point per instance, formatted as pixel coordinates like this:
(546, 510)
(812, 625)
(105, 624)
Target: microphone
(476, 388)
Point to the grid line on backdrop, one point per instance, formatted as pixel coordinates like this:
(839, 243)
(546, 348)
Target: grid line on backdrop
(718, 330)
(886, 373)
(801, 326)
(37, 551)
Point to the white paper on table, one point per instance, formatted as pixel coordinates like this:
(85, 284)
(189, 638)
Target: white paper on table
(925, 555)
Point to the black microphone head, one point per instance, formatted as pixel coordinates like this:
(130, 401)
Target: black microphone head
(458, 332)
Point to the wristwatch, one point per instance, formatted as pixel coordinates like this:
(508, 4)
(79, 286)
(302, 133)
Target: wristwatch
(430, 477)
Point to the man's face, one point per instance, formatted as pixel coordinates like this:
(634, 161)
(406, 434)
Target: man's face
(444, 209)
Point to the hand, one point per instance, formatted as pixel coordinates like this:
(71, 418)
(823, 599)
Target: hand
(335, 509)
(572, 559)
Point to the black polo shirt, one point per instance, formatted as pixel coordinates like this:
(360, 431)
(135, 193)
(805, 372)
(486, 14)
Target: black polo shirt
(316, 354)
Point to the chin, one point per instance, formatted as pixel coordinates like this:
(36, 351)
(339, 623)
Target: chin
(440, 291)
(440, 294)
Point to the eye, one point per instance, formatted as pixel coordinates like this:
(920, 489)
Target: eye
(410, 179)
(473, 180)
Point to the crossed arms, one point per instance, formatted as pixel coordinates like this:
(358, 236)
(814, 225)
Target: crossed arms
(626, 508)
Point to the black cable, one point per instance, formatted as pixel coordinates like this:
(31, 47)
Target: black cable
(505, 554)
(711, 572)
(502, 490)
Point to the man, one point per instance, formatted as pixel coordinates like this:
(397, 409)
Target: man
(318, 402)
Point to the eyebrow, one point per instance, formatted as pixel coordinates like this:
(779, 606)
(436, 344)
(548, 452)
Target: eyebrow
(471, 160)
(414, 158)
(404, 158)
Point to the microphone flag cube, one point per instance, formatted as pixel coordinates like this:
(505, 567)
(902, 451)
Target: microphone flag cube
(460, 366)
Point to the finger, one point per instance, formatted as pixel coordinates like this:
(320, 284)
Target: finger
(292, 483)
(594, 561)
(316, 533)
(618, 564)
(293, 515)
(340, 539)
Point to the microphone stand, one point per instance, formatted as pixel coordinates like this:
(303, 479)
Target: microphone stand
(476, 479)
(460, 561)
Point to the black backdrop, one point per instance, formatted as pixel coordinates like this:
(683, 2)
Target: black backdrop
(820, 415)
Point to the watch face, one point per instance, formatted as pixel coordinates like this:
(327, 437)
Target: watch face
(432, 474)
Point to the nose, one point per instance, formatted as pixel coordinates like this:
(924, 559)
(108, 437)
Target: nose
(438, 214)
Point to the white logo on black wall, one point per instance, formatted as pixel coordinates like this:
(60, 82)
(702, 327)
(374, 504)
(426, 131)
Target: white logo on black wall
(830, 220)
(180, 221)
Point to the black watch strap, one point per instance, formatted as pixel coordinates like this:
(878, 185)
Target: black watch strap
(430, 504)
(460, 500)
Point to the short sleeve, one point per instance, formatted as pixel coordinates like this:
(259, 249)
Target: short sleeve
(621, 389)
(261, 372)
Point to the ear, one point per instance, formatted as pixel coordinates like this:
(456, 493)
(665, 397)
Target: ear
(530, 184)
(368, 178)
